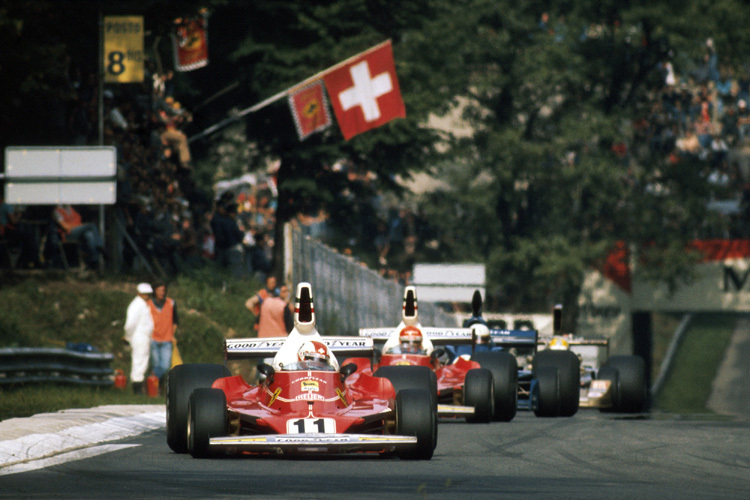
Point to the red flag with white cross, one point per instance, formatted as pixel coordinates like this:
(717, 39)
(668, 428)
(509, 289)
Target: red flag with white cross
(364, 91)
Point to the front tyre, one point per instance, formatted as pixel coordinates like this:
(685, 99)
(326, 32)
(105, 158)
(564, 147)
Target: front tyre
(504, 368)
(182, 380)
(411, 377)
(546, 392)
(415, 417)
(479, 393)
(207, 418)
(568, 368)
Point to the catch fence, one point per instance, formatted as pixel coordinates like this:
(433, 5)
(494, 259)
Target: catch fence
(347, 295)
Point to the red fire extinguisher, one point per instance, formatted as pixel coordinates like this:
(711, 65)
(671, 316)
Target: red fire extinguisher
(152, 386)
(120, 380)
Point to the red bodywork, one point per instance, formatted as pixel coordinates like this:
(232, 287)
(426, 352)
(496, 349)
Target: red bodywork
(450, 377)
(304, 401)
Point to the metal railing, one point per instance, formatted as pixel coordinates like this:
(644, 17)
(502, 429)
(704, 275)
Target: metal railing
(348, 295)
(22, 365)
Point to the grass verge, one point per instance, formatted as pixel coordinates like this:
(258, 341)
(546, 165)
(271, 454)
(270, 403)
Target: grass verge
(23, 401)
(688, 384)
(50, 310)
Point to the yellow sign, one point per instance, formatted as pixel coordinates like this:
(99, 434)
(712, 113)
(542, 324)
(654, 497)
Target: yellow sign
(123, 49)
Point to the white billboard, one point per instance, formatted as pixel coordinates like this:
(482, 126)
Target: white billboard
(50, 175)
(448, 282)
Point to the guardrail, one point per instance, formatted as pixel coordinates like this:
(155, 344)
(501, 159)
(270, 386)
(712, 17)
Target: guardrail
(24, 365)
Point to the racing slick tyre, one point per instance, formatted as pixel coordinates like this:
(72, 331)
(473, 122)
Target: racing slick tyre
(416, 417)
(207, 418)
(629, 389)
(546, 392)
(479, 393)
(411, 377)
(504, 368)
(569, 377)
(182, 380)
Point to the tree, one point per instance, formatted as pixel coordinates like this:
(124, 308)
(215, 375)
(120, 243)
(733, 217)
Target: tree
(556, 172)
(317, 35)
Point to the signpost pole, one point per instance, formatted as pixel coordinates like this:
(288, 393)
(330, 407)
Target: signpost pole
(100, 82)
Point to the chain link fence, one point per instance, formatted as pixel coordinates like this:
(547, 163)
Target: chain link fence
(348, 295)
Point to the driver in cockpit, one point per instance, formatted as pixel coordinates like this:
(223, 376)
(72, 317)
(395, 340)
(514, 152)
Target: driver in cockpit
(312, 355)
(410, 342)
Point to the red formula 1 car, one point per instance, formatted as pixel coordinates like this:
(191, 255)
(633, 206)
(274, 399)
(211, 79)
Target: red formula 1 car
(305, 404)
(478, 391)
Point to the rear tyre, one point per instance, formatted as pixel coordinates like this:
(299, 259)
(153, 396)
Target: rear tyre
(479, 393)
(207, 418)
(569, 377)
(415, 417)
(504, 368)
(182, 380)
(546, 392)
(632, 391)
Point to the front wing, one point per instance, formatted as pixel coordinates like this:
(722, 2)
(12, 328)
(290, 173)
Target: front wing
(452, 411)
(312, 443)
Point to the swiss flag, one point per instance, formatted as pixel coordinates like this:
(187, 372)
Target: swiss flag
(364, 91)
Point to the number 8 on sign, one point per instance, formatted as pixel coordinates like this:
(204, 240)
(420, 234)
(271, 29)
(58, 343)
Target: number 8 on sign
(123, 49)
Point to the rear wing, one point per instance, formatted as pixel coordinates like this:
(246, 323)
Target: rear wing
(514, 338)
(574, 341)
(460, 336)
(438, 336)
(253, 348)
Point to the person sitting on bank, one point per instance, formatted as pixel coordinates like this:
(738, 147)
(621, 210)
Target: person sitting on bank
(72, 228)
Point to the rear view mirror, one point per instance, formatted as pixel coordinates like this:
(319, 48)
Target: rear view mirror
(267, 372)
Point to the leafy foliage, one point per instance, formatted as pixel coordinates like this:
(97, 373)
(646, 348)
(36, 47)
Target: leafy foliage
(537, 182)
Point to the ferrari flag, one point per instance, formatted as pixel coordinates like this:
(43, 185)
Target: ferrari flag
(364, 91)
(309, 109)
(190, 41)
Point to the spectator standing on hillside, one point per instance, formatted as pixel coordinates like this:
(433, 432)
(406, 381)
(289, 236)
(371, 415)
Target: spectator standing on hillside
(139, 325)
(228, 238)
(19, 234)
(255, 302)
(276, 318)
(163, 311)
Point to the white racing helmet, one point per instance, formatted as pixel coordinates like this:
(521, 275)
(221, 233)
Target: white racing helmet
(313, 350)
(481, 333)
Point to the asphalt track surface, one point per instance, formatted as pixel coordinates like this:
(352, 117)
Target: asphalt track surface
(590, 455)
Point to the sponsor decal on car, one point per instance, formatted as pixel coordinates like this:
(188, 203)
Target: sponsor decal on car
(310, 385)
(274, 396)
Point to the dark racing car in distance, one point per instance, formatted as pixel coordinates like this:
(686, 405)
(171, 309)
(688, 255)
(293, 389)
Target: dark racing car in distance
(305, 404)
(561, 373)
(478, 390)
(618, 385)
(548, 380)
